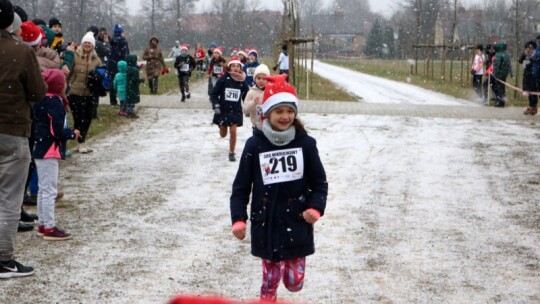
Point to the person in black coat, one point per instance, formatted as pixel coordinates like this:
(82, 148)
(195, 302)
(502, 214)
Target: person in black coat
(226, 98)
(280, 168)
(119, 51)
(529, 82)
(184, 65)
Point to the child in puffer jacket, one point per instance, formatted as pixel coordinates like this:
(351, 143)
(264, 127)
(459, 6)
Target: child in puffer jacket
(50, 145)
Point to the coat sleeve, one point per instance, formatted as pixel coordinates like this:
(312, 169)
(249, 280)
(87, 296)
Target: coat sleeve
(176, 62)
(249, 103)
(34, 86)
(245, 89)
(57, 118)
(69, 57)
(316, 177)
(241, 188)
(191, 63)
(216, 92)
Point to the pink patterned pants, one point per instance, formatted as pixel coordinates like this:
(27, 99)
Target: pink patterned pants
(292, 272)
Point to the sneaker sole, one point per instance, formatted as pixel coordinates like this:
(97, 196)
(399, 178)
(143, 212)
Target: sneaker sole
(52, 238)
(10, 275)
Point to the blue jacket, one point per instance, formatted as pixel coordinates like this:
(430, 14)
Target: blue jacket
(50, 130)
(119, 51)
(249, 69)
(536, 64)
(278, 230)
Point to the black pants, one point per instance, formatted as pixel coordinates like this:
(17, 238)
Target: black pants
(95, 104)
(153, 84)
(477, 84)
(533, 99)
(211, 82)
(81, 109)
(183, 82)
(112, 92)
(500, 92)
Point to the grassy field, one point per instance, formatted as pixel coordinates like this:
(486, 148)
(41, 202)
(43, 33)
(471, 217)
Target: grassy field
(168, 83)
(459, 86)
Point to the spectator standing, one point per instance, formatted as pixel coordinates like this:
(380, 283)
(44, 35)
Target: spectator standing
(154, 64)
(529, 82)
(477, 70)
(21, 85)
(119, 51)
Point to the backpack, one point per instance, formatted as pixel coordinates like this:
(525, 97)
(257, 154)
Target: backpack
(98, 81)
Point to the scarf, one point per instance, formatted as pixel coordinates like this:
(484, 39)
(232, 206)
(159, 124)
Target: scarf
(238, 76)
(278, 138)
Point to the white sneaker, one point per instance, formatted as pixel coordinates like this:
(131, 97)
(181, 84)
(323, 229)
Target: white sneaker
(85, 149)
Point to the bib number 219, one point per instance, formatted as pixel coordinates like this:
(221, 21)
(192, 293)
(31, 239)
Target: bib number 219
(282, 165)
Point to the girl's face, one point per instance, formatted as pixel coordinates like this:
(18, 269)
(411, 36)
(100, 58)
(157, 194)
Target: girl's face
(87, 47)
(281, 118)
(235, 67)
(216, 55)
(184, 52)
(260, 80)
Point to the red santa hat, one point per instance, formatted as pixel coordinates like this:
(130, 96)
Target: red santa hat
(278, 92)
(31, 33)
(233, 60)
(184, 47)
(242, 53)
(219, 49)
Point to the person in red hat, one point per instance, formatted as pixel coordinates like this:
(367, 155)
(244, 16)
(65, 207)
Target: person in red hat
(226, 98)
(281, 171)
(199, 56)
(184, 64)
(216, 67)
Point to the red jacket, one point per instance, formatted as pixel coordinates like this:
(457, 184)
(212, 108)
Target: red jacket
(199, 55)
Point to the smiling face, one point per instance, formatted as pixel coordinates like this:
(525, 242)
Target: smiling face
(281, 118)
(87, 47)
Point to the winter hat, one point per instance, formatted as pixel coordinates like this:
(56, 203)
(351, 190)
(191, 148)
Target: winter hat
(89, 37)
(54, 21)
(242, 53)
(94, 29)
(16, 25)
(262, 69)
(55, 80)
(254, 52)
(19, 11)
(219, 50)
(31, 33)
(233, 60)
(184, 47)
(279, 92)
(213, 44)
(118, 29)
(6, 14)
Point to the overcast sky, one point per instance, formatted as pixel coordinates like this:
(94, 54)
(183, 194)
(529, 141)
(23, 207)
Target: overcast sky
(385, 7)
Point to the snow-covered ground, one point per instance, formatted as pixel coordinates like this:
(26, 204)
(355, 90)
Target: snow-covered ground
(374, 89)
(420, 210)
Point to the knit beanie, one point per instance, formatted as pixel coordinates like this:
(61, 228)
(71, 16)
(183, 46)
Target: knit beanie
(89, 37)
(31, 33)
(55, 80)
(254, 52)
(262, 69)
(118, 29)
(54, 21)
(279, 92)
(6, 14)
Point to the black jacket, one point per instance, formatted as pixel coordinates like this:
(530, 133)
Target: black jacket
(278, 230)
(189, 63)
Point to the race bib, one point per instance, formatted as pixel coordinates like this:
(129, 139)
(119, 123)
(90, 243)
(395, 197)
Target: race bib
(218, 69)
(232, 94)
(184, 67)
(282, 165)
(250, 71)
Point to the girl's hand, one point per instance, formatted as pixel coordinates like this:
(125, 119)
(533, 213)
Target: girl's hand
(239, 230)
(311, 215)
(77, 133)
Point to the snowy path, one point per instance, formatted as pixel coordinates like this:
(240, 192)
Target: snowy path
(374, 89)
(421, 210)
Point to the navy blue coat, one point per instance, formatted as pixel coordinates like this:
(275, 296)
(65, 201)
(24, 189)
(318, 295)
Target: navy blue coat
(229, 95)
(278, 229)
(49, 129)
(249, 69)
(119, 51)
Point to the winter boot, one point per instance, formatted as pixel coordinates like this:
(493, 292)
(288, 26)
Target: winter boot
(534, 111)
(232, 158)
(28, 217)
(24, 227)
(188, 95)
(183, 97)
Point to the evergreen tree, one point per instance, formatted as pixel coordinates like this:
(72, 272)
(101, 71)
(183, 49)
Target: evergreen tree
(374, 42)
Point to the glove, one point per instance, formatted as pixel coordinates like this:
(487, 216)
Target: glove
(311, 215)
(217, 111)
(239, 230)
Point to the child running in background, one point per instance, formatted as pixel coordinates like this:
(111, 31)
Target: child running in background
(281, 170)
(226, 99)
(250, 67)
(184, 64)
(50, 146)
(200, 55)
(120, 83)
(251, 106)
(215, 68)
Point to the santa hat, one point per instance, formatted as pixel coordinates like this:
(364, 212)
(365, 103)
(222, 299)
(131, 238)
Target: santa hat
(219, 49)
(279, 92)
(254, 52)
(89, 37)
(242, 53)
(31, 33)
(55, 80)
(233, 60)
(184, 47)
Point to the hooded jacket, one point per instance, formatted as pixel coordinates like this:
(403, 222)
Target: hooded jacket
(133, 80)
(501, 64)
(278, 230)
(120, 80)
(119, 51)
(154, 59)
